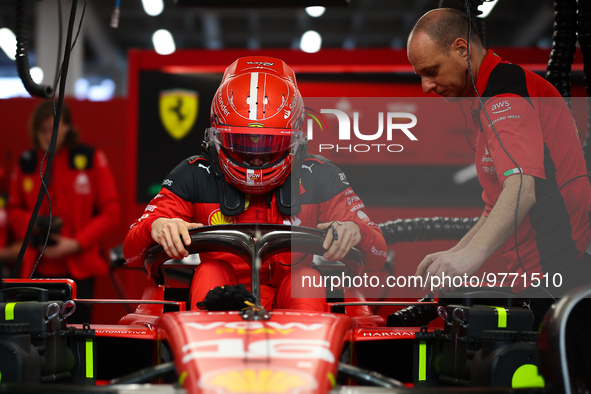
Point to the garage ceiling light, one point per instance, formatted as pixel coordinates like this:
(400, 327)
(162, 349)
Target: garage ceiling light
(8, 42)
(310, 42)
(163, 42)
(153, 7)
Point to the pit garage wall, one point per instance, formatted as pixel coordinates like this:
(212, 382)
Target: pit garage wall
(141, 151)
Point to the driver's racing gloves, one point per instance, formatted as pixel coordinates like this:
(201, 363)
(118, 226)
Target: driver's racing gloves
(227, 298)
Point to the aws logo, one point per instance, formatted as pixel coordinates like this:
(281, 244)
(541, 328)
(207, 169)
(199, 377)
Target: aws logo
(217, 218)
(503, 106)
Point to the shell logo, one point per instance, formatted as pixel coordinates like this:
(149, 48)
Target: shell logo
(258, 381)
(216, 218)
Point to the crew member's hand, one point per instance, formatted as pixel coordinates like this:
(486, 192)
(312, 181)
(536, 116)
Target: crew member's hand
(64, 246)
(340, 238)
(168, 233)
(462, 263)
(428, 261)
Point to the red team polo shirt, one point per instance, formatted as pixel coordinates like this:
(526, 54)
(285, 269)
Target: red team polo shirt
(82, 193)
(538, 131)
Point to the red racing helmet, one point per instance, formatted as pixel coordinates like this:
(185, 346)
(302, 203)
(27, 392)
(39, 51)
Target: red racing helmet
(256, 120)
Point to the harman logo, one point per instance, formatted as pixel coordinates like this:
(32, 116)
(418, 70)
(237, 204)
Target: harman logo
(178, 111)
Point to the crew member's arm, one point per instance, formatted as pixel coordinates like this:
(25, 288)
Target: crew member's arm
(510, 124)
(430, 258)
(494, 231)
(17, 205)
(9, 253)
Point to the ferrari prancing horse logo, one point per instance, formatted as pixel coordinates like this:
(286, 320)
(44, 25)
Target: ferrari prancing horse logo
(178, 111)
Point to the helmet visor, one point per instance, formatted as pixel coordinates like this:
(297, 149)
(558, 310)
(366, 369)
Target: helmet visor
(254, 140)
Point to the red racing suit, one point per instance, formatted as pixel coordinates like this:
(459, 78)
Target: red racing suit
(537, 129)
(83, 194)
(190, 192)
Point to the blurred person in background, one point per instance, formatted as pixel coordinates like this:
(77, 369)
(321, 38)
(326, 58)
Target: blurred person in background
(84, 206)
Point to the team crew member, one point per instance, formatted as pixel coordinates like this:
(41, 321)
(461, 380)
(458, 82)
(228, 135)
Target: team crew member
(84, 202)
(537, 130)
(253, 156)
(9, 249)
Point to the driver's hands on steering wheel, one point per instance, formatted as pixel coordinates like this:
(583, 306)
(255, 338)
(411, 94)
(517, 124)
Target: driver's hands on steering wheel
(168, 233)
(340, 238)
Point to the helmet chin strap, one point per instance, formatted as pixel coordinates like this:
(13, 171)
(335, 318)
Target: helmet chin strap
(288, 194)
(231, 199)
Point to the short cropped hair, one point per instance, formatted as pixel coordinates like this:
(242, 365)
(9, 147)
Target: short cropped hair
(444, 27)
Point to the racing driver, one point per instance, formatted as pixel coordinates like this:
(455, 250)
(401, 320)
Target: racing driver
(254, 169)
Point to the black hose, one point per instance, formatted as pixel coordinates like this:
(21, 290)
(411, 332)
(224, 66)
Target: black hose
(564, 42)
(414, 315)
(426, 229)
(478, 23)
(22, 53)
(51, 149)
